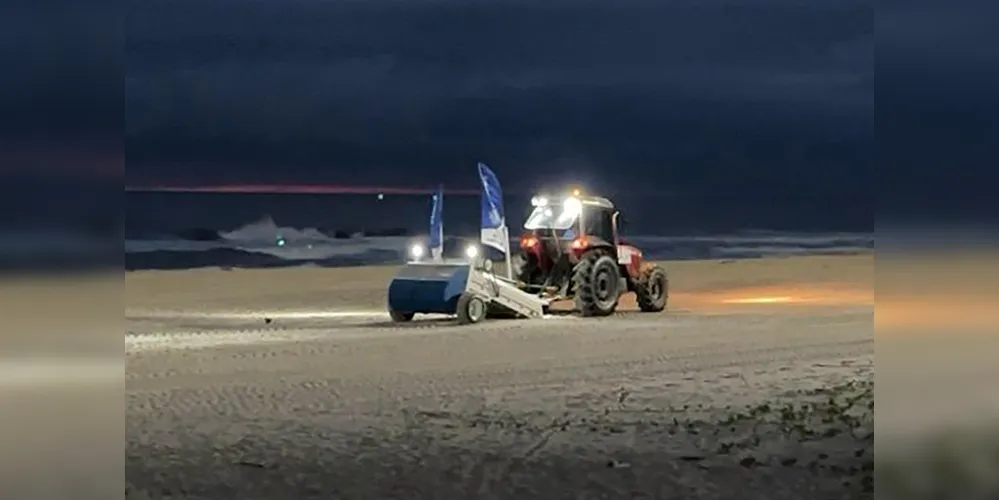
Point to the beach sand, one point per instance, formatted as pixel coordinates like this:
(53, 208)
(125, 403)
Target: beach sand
(291, 383)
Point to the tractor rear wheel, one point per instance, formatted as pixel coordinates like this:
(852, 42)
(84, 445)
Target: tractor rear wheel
(596, 280)
(652, 291)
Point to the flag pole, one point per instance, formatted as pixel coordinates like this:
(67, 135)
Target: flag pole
(438, 251)
(509, 260)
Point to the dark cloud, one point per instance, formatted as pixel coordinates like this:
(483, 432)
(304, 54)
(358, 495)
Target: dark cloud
(938, 103)
(62, 66)
(765, 95)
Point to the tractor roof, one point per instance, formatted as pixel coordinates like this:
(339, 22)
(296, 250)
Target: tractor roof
(584, 199)
(597, 201)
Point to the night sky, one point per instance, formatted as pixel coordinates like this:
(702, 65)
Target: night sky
(768, 96)
(761, 98)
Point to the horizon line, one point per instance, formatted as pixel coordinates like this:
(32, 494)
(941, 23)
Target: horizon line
(295, 189)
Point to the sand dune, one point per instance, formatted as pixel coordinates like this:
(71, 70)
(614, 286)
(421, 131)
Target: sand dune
(290, 384)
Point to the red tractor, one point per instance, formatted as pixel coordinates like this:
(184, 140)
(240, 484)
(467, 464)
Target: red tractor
(571, 248)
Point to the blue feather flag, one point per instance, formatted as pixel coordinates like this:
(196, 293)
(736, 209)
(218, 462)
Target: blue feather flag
(493, 232)
(437, 225)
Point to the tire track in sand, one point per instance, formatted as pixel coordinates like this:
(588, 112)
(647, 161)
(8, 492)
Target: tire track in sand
(371, 369)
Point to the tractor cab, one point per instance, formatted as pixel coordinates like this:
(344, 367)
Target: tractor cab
(570, 223)
(558, 233)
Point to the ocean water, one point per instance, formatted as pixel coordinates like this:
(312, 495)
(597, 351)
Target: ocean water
(181, 230)
(187, 230)
(168, 213)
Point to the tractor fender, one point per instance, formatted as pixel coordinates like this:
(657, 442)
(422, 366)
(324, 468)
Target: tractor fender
(594, 244)
(631, 260)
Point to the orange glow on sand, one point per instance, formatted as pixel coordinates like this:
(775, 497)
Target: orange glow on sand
(779, 295)
(759, 300)
(744, 299)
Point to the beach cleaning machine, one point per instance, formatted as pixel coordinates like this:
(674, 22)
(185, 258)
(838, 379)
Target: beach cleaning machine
(571, 250)
(469, 290)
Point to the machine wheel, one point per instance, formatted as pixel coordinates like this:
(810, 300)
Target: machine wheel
(596, 278)
(652, 290)
(401, 317)
(471, 309)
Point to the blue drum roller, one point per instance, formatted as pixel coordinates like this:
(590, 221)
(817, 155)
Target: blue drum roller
(426, 288)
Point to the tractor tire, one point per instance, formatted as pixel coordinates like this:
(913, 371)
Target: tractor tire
(652, 291)
(401, 317)
(596, 279)
(471, 309)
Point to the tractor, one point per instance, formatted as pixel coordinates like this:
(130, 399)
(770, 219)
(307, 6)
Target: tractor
(571, 248)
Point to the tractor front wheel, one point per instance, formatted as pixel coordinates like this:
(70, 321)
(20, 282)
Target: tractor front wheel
(596, 280)
(652, 291)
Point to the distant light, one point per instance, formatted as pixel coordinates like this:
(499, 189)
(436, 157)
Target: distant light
(575, 192)
(416, 251)
(381, 196)
(280, 242)
(472, 251)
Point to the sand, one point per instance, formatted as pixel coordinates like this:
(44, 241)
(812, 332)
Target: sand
(291, 383)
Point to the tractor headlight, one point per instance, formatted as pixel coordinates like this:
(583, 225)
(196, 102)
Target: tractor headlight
(572, 206)
(416, 251)
(539, 201)
(471, 251)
